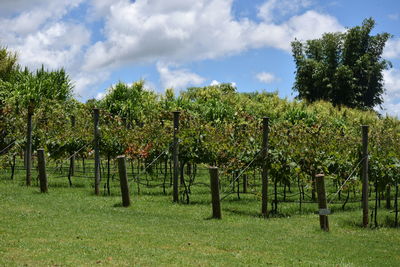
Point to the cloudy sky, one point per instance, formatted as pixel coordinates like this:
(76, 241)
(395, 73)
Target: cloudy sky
(182, 43)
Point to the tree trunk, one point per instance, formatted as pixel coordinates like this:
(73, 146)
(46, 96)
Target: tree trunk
(396, 206)
(388, 204)
(108, 174)
(313, 196)
(13, 167)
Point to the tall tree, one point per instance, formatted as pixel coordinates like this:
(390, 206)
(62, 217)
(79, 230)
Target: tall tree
(32, 90)
(343, 68)
(8, 64)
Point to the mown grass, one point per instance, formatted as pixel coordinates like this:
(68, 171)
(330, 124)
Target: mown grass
(73, 227)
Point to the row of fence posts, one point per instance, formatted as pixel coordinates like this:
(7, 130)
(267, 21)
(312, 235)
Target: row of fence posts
(214, 181)
(320, 184)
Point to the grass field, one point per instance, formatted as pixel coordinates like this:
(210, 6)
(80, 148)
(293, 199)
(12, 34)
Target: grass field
(73, 227)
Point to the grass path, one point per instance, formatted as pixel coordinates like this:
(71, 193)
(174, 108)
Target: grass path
(72, 227)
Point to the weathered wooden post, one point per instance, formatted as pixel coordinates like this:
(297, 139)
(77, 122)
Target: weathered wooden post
(365, 174)
(322, 204)
(42, 171)
(123, 179)
(175, 155)
(215, 200)
(96, 152)
(264, 155)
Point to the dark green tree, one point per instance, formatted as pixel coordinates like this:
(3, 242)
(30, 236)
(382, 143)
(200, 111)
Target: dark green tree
(343, 68)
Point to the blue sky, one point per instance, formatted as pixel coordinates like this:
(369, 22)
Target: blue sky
(183, 43)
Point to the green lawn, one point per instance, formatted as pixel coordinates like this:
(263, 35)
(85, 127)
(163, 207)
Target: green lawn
(72, 227)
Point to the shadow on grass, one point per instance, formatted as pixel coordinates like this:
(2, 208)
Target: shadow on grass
(200, 202)
(209, 218)
(382, 222)
(61, 185)
(118, 205)
(149, 193)
(243, 212)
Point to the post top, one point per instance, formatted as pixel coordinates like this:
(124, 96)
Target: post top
(213, 167)
(40, 149)
(121, 157)
(320, 175)
(176, 111)
(265, 118)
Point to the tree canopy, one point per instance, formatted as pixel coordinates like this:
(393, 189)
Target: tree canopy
(342, 68)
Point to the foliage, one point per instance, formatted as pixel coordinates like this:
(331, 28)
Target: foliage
(342, 68)
(8, 64)
(132, 103)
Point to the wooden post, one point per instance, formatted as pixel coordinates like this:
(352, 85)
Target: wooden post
(322, 205)
(264, 154)
(29, 147)
(365, 174)
(72, 164)
(96, 152)
(42, 171)
(123, 179)
(245, 183)
(175, 155)
(215, 200)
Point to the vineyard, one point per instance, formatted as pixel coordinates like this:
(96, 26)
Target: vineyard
(217, 127)
(269, 154)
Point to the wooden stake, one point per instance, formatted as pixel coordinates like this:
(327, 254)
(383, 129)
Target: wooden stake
(322, 205)
(123, 179)
(264, 154)
(215, 200)
(42, 171)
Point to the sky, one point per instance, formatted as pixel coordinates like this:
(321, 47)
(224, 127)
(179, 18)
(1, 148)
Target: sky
(184, 43)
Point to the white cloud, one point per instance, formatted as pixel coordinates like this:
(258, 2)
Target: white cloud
(177, 78)
(99, 8)
(143, 31)
(273, 9)
(11, 7)
(182, 31)
(38, 32)
(266, 77)
(86, 83)
(392, 49)
(100, 96)
(392, 83)
(309, 25)
(149, 86)
(56, 46)
(214, 82)
(391, 97)
(39, 35)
